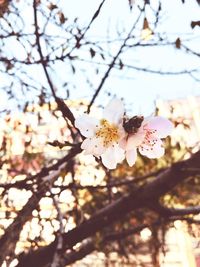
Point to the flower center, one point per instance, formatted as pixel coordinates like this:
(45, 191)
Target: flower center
(150, 140)
(108, 132)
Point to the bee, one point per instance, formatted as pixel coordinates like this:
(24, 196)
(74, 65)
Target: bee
(132, 125)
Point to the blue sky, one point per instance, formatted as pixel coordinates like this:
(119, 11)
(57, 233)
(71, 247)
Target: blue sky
(139, 89)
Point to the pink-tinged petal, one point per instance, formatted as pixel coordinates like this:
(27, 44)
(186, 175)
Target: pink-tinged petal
(123, 142)
(114, 111)
(87, 125)
(131, 156)
(134, 140)
(146, 120)
(112, 156)
(121, 132)
(152, 140)
(152, 152)
(87, 146)
(93, 146)
(162, 126)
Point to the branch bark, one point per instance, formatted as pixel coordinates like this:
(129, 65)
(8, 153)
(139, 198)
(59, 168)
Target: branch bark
(61, 104)
(9, 239)
(166, 212)
(111, 65)
(116, 211)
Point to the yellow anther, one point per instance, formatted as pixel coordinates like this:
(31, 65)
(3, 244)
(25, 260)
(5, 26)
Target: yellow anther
(108, 132)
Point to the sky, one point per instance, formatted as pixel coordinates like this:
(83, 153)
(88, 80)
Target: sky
(142, 89)
(139, 89)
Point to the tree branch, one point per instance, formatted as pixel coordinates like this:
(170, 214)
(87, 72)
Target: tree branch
(111, 65)
(117, 210)
(89, 246)
(61, 104)
(46, 176)
(166, 212)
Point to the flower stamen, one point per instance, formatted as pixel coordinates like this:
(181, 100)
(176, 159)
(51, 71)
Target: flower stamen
(108, 132)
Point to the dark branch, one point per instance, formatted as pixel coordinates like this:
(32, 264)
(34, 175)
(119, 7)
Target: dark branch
(117, 210)
(61, 104)
(111, 65)
(45, 178)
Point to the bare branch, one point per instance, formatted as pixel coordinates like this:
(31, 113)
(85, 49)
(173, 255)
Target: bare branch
(111, 65)
(61, 104)
(115, 211)
(45, 178)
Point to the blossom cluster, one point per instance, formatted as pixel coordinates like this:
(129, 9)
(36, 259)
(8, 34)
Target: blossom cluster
(114, 137)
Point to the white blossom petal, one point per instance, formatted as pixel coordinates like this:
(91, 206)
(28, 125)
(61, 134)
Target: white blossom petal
(108, 160)
(114, 111)
(155, 151)
(87, 125)
(93, 146)
(118, 153)
(162, 126)
(87, 146)
(131, 156)
(112, 156)
(135, 140)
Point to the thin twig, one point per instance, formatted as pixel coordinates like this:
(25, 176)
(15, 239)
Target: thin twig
(61, 104)
(56, 257)
(112, 64)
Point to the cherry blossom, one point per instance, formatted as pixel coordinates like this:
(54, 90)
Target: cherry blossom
(103, 136)
(147, 139)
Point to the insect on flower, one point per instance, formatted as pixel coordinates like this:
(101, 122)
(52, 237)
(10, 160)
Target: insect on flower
(114, 137)
(131, 126)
